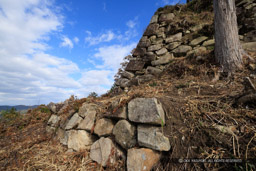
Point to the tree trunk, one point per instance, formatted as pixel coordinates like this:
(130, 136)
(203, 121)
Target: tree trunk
(228, 50)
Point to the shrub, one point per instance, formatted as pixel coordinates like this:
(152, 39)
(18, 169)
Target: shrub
(93, 94)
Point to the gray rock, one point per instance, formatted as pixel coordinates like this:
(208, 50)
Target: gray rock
(50, 129)
(74, 121)
(154, 19)
(149, 56)
(103, 127)
(86, 109)
(144, 78)
(80, 140)
(156, 41)
(197, 51)
(174, 38)
(146, 110)
(144, 43)
(163, 59)
(161, 51)
(127, 75)
(198, 40)
(88, 122)
(124, 82)
(154, 47)
(181, 50)
(142, 159)
(250, 46)
(173, 45)
(52, 106)
(153, 70)
(125, 134)
(152, 137)
(197, 27)
(209, 42)
(166, 17)
(105, 153)
(139, 51)
(152, 29)
(54, 121)
(62, 136)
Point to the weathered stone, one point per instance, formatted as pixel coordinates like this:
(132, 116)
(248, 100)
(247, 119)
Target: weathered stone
(209, 42)
(88, 122)
(250, 46)
(152, 29)
(127, 75)
(149, 56)
(103, 127)
(154, 47)
(62, 136)
(146, 110)
(153, 70)
(154, 19)
(124, 82)
(125, 134)
(197, 51)
(144, 44)
(74, 121)
(163, 59)
(86, 109)
(54, 121)
(135, 65)
(156, 41)
(142, 159)
(52, 106)
(198, 40)
(105, 153)
(197, 27)
(161, 51)
(181, 50)
(166, 17)
(173, 45)
(50, 129)
(79, 140)
(144, 78)
(139, 51)
(174, 38)
(152, 137)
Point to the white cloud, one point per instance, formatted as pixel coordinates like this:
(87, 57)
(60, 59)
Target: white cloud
(66, 42)
(104, 7)
(28, 75)
(113, 55)
(97, 77)
(169, 2)
(132, 23)
(76, 39)
(104, 37)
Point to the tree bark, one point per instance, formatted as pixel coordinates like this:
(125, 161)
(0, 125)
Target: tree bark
(228, 50)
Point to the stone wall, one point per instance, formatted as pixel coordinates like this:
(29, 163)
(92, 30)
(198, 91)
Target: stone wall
(165, 39)
(134, 129)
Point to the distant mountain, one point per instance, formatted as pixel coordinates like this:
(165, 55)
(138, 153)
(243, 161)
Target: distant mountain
(18, 107)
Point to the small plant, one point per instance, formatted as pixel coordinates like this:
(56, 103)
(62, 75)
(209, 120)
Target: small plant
(45, 110)
(154, 84)
(93, 94)
(9, 115)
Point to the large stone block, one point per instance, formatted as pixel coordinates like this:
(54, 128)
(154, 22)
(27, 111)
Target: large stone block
(152, 29)
(86, 109)
(142, 159)
(166, 17)
(181, 50)
(80, 140)
(146, 110)
(165, 59)
(174, 38)
(125, 134)
(74, 121)
(198, 40)
(105, 153)
(54, 121)
(152, 137)
(103, 127)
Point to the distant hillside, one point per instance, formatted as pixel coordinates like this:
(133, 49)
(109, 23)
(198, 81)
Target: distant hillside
(18, 107)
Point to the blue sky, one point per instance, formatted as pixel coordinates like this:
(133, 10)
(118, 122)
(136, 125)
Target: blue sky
(50, 49)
